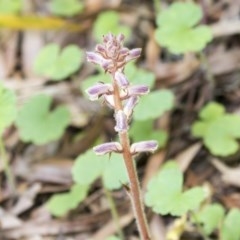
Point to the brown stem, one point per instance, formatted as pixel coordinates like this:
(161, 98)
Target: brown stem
(135, 192)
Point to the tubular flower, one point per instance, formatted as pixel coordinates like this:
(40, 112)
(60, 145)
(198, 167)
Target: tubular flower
(98, 90)
(108, 147)
(144, 146)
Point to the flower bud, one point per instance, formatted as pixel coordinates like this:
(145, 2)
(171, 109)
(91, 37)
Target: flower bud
(100, 48)
(124, 51)
(107, 38)
(98, 89)
(133, 54)
(129, 106)
(108, 148)
(121, 79)
(138, 90)
(144, 146)
(120, 37)
(98, 59)
(121, 121)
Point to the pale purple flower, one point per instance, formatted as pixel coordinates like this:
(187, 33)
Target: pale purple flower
(121, 121)
(98, 59)
(108, 37)
(120, 37)
(100, 48)
(129, 106)
(124, 51)
(121, 79)
(98, 90)
(108, 147)
(133, 54)
(144, 146)
(138, 90)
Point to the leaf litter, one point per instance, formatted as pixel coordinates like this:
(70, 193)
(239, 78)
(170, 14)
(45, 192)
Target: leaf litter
(42, 171)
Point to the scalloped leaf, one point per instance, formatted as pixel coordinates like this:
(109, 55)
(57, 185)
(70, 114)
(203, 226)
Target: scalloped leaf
(37, 124)
(143, 130)
(138, 75)
(115, 174)
(154, 105)
(10, 6)
(177, 28)
(211, 217)
(109, 21)
(229, 231)
(218, 129)
(60, 204)
(88, 167)
(66, 8)
(58, 64)
(165, 198)
(90, 81)
(8, 108)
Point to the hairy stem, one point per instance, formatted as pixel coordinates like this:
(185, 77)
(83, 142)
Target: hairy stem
(135, 193)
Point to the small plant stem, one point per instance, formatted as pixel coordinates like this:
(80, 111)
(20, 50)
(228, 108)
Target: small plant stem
(6, 167)
(135, 193)
(114, 212)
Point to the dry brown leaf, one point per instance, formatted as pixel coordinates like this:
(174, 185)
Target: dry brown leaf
(230, 176)
(185, 157)
(8, 220)
(157, 228)
(110, 228)
(8, 51)
(26, 200)
(32, 43)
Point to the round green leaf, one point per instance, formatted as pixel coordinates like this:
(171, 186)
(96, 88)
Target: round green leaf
(58, 65)
(154, 105)
(60, 204)
(139, 76)
(115, 174)
(10, 6)
(177, 30)
(143, 130)
(229, 230)
(212, 111)
(210, 217)
(218, 129)
(7, 108)
(108, 22)
(165, 198)
(88, 167)
(37, 124)
(66, 8)
(180, 13)
(90, 81)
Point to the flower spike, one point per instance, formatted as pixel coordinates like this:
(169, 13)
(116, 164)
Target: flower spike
(122, 97)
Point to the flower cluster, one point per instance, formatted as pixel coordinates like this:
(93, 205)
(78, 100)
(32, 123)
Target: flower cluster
(112, 57)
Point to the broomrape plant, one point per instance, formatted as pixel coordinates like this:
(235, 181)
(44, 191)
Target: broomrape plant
(122, 97)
